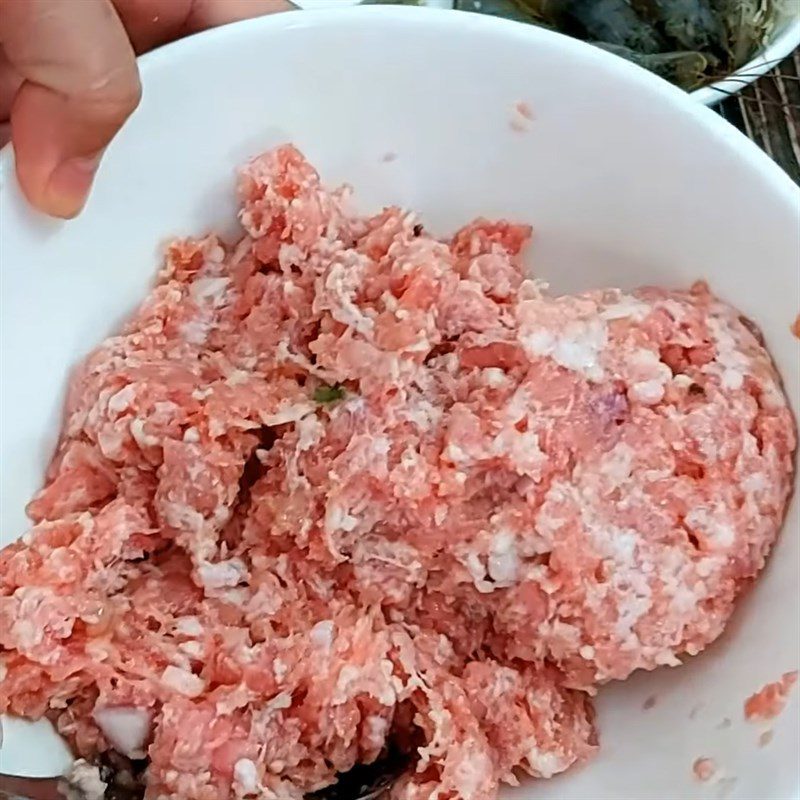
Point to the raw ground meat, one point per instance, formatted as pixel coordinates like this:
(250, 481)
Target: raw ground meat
(768, 702)
(344, 482)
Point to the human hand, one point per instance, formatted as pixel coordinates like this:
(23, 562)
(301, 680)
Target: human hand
(68, 80)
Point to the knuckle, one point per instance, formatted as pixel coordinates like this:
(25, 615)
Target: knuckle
(116, 90)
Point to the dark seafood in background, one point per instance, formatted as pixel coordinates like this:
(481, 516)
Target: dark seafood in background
(689, 42)
(690, 23)
(611, 21)
(684, 69)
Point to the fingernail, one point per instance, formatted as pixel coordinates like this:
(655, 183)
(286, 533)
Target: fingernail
(69, 185)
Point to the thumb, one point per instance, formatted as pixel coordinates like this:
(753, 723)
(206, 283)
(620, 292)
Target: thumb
(80, 85)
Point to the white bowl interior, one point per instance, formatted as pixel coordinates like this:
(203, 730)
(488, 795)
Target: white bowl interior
(625, 179)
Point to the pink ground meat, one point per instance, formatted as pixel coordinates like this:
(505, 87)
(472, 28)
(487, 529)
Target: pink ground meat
(344, 480)
(769, 701)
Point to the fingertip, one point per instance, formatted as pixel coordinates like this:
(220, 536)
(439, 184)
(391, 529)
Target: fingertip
(68, 187)
(55, 164)
(55, 187)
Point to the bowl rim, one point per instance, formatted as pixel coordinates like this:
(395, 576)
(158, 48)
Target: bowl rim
(388, 15)
(781, 44)
(768, 57)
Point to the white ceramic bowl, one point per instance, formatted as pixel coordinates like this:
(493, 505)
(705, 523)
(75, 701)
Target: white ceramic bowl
(626, 179)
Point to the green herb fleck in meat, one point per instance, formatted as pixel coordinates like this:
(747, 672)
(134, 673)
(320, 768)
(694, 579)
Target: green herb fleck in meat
(328, 394)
